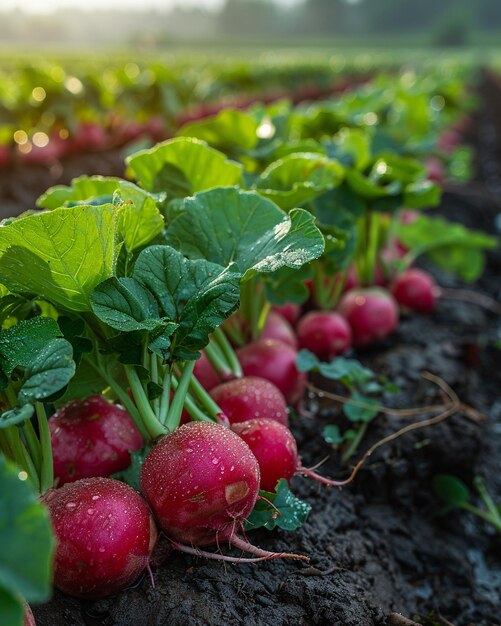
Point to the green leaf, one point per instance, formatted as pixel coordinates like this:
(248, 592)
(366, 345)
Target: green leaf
(60, 255)
(131, 475)
(421, 194)
(73, 330)
(81, 189)
(17, 415)
(351, 147)
(288, 512)
(340, 368)
(227, 130)
(361, 414)
(139, 220)
(19, 343)
(228, 226)
(287, 285)
(369, 190)
(186, 160)
(298, 178)
(452, 491)
(126, 305)
(197, 295)
(332, 434)
(450, 245)
(11, 608)
(49, 371)
(26, 537)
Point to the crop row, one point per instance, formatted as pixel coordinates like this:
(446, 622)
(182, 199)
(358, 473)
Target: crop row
(137, 314)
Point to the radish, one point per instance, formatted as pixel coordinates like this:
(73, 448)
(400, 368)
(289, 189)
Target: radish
(29, 618)
(435, 170)
(91, 437)
(290, 311)
(415, 290)
(275, 361)
(250, 397)
(275, 449)
(205, 373)
(324, 333)
(277, 327)
(202, 481)
(105, 535)
(371, 313)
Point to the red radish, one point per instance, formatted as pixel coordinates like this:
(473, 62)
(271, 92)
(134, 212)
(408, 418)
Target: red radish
(275, 449)
(91, 437)
(408, 216)
(275, 361)
(277, 327)
(105, 535)
(324, 333)
(205, 373)
(290, 311)
(89, 135)
(435, 170)
(371, 313)
(202, 481)
(448, 140)
(29, 618)
(250, 397)
(415, 290)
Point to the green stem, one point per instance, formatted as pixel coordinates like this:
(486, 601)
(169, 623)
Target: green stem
(233, 329)
(487, 517)
(4, 446)
(196, 413)
(251, 303)
(227, 350)
(176, 407)
(263, 316)
(212, 408)
(319, 294)
(47, 466)
(165, 399)
(121, 394)
(33, 444)
(21, 456)
(354, 443)
(486, 498)
(154, 428)
(153, 358)
(217, 359)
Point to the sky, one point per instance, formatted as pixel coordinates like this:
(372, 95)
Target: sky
(47, 6)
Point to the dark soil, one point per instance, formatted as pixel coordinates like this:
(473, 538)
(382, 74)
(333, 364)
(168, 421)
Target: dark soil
(377, 548)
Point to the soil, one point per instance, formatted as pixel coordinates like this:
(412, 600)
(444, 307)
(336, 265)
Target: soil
(380, 554)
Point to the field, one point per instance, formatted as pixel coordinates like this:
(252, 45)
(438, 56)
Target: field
(182, 203)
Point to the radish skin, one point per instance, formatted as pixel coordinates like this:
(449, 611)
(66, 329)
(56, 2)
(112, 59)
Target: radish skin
(105, 535)
(372, 314)
(275, 449)
(277, 327)
(91, 437)
(250, 397)
(202, 482)
(325, 333)
(415, 290)
(276, 362)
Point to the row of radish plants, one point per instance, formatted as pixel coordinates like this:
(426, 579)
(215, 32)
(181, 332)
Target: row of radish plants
(152, 329)
(54, 109)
